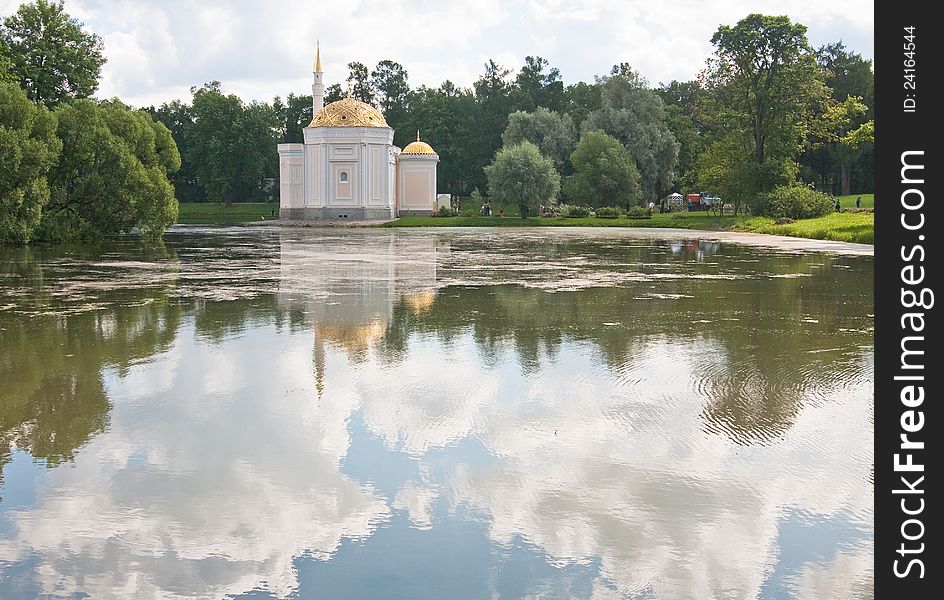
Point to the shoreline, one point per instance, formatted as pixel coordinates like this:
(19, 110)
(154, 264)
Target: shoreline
(780, 242)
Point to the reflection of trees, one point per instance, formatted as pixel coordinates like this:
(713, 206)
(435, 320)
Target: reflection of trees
(768, 340)
(53, 399)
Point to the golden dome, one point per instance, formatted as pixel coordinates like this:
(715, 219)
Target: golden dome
(418, 147)
(348, 112)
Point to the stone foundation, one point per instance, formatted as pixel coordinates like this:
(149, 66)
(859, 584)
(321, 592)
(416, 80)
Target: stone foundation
(320, 213)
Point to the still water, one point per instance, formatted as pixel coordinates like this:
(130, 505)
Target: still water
(264, 413)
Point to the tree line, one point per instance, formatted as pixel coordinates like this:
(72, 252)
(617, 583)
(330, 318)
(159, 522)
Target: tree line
(767, 110)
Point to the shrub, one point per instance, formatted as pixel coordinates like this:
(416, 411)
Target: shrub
(638, 212)
(444, 211)
(609, 212)
(575, 212)
(792, 201)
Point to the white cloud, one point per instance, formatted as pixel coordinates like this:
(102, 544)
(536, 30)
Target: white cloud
(157, 50)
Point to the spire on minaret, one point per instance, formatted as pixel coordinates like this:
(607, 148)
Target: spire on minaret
(317, 85)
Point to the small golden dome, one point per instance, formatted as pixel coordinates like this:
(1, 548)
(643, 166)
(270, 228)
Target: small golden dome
(348, 112)
(418, 147)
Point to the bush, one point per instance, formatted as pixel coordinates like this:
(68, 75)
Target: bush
(609, 212)
(444, 211)
(792, 201)
(638, 212)
(575, 212)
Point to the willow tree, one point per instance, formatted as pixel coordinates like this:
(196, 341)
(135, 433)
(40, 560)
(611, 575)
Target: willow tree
(521, 175)
(28, 148)
(112, 174)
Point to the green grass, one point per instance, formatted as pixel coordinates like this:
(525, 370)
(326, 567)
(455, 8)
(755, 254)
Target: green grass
(868, 200)
(211, 213)
(845, 227)
(683, 220)
(841, 227)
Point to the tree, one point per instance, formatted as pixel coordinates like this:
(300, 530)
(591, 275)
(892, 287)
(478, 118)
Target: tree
(634, 115)
(231, 144)
(112, 173)
(536, 87)
(389, 80)
(833, 165)
(333, 93)
(178, 117)
(763, 86)
(52, 57)
(292, 116)
(6, 68)
(493, 97)
(28, 148)
(847, 74)
(604, 173)
(581, 99)
(521, 175)
(681, 99)
(554, 134)
(449, 120)
(358, 82)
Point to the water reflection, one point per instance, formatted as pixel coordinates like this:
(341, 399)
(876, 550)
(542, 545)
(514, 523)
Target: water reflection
(466, 414)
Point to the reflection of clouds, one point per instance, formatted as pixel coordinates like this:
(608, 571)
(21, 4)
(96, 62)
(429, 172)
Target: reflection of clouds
(850, 575)
(200, 495)
(592, 468)
(432, 400)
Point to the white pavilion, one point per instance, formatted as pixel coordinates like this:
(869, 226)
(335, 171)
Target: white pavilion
(348, 168)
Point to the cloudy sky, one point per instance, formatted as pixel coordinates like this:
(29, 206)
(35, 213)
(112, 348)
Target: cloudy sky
(158, 49)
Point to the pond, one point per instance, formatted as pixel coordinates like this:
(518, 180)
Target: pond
(256, 412)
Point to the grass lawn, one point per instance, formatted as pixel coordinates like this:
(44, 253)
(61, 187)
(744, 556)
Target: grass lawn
(684, 220)
(841, 227)
(211, 213)
(844, 227)
(868, 200)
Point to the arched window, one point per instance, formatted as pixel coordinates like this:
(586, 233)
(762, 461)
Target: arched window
(343, 177)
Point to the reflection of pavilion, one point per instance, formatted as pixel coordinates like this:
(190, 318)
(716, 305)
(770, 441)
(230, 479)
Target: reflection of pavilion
(347, 284)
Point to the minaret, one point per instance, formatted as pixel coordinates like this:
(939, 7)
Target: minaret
(317, 86)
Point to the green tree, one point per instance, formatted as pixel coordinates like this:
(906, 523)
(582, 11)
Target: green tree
(448, 119)
(6, 68)
(833, 165)
(847, 74)
(764, 87)
(634, 114)
(389, 80)
(681, 117)
(604, 173)
(554, 134)
(292, 116)
(521, 175)
(581, 99)
(52, 57)
(359, 84)
(112, 173)
(493, 95)
(333, 93)
(231, 144)
(178, 117)
(28, 148)
(536, 87)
